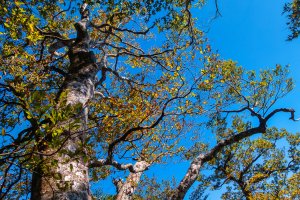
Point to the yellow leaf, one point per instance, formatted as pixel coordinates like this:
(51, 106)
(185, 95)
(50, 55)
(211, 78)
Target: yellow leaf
(18, 3)
(31, 27)
(263, 83)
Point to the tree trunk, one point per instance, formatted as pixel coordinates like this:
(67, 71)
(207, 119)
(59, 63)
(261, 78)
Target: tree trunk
(68, 179)
(126, 190)
(189, 179)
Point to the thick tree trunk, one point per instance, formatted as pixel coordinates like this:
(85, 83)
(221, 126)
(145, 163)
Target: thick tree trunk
(68, 179)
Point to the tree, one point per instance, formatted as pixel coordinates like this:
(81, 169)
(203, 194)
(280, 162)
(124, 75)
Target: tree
(257, 168)
(120, 92)
(255, 95)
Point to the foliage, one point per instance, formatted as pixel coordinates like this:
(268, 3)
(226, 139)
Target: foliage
(254, 167)
(151, 188)
(257, 168)
(293, 13)
(159, 82)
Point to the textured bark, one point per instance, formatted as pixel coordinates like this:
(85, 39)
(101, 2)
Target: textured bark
(68, 180)
(126, 190)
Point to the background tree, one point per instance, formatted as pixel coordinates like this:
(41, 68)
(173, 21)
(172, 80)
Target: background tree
(256, 168)
(122, 90)
(255, 95)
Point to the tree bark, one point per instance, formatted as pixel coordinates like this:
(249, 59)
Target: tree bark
(126, 190)
(189, 178)
(68, 179)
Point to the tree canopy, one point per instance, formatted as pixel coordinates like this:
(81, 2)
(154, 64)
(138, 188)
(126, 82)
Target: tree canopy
(102, 90)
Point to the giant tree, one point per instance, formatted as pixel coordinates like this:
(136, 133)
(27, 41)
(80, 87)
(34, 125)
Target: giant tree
(92, 88)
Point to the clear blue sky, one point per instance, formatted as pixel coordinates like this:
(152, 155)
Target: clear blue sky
(253, 33)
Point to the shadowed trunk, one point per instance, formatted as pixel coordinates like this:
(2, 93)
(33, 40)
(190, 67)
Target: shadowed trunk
(68, 179)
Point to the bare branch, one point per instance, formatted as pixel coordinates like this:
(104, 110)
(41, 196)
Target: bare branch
(59, 13)
(132, 168)
(122, 29)
(289, 110)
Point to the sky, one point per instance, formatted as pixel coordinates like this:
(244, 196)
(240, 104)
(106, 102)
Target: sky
(253, 33)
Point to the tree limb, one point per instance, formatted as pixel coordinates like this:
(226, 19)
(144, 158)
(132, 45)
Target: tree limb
(194, 169)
